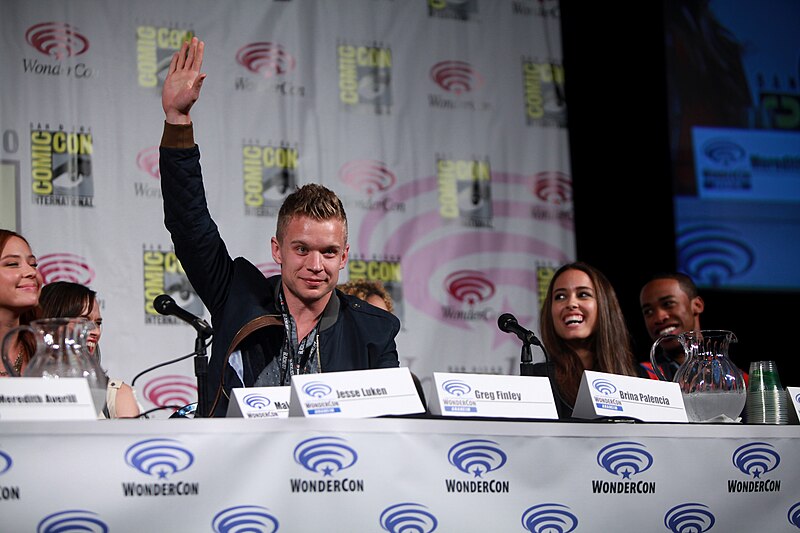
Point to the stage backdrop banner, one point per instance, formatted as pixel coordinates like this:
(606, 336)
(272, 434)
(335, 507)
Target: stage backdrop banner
(441, 125)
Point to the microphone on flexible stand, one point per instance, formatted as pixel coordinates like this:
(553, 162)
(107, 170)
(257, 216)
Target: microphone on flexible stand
(165, 305)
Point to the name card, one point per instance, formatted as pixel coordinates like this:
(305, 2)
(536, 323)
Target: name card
(608, 395)
(355, 394)
(46, 399)
(259, 402)
(492, 396)
(794, 395)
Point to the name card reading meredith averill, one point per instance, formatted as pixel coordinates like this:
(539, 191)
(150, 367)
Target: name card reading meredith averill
(46, 399)
(456, 394)
(608, 395)
(259, 402)
(355, 394)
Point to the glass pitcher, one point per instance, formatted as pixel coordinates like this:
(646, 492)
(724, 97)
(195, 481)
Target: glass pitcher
(710, 383)
(61, 352)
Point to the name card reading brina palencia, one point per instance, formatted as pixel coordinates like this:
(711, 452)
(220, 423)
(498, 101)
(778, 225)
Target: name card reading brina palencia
(46, 399)
(259, 402)
(611, 395)
(355, 394)
(491, 395)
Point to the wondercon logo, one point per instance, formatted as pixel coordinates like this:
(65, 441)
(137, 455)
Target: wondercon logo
(257, 401)
(158, 457)
(456, 76)
(469, 286)
(553, 187)
(5, 462)
(689, 517)
(57, 40)
(72, 520)
(265, 59)
(624, 459)
(147, 160)
(477, 456)
(325, 455)
(367, 176)
(171, 391)
(244, 518)
(794, 515)
(316, 389)
(456, 387)
(408, 517)
(65, 267)
(713, 254)
(603, 386)
(756, 458)
(549, 518)
(723, 152)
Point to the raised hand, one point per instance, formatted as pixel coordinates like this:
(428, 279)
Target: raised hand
(183, 83)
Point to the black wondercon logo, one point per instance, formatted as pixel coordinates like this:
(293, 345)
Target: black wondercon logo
(365, 77)
(61, 166)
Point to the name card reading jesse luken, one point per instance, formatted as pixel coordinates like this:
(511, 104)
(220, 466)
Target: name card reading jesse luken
(355, 394)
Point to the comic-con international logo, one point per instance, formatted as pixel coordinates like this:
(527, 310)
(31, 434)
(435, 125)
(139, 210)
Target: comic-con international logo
(163, 274)
(453, 9)
(543, 90)
(60, 42)
(155, 46)
(457, 81)
(328, 458)
(477, 459)
(147, 163)
(756, 461)
(162, 460)
(7, 492)
(365, 77)
(553, 189)
(466, 290)
(544, 273)
(465, 190)
(269, 175)
(625, 460)
(61, 166)
(268, 64)
(386, 270)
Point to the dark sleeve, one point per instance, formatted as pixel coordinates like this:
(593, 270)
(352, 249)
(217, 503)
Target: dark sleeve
(198, 244)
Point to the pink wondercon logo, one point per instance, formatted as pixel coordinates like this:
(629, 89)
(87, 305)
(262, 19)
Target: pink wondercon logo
(57, 40)
(65, 267)
(265, 59)
(456, 76)
(367, 176)
(171, 391)
(147, 161)
(469, 286)
(553, 187)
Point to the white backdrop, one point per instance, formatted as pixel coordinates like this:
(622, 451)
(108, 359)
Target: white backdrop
(441, 124)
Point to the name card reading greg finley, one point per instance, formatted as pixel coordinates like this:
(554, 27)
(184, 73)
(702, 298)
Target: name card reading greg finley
(46, 399)
(490, 395)
(608, 395)
(355, 394)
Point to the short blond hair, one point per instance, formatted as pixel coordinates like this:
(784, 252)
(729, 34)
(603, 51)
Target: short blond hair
(364, 288)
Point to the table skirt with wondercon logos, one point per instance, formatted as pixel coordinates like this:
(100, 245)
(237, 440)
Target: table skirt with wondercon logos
(397, 474)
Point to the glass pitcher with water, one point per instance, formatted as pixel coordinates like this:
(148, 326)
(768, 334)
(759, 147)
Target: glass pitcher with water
(710, 383)
(60, 352)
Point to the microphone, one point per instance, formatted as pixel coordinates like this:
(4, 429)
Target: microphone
(165, 305)
(508, 324)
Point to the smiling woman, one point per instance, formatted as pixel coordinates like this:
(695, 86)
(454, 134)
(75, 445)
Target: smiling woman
(67, 299)
(20, 284)
(583, 328)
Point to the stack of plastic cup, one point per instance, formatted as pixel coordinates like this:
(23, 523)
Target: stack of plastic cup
(767, 402)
